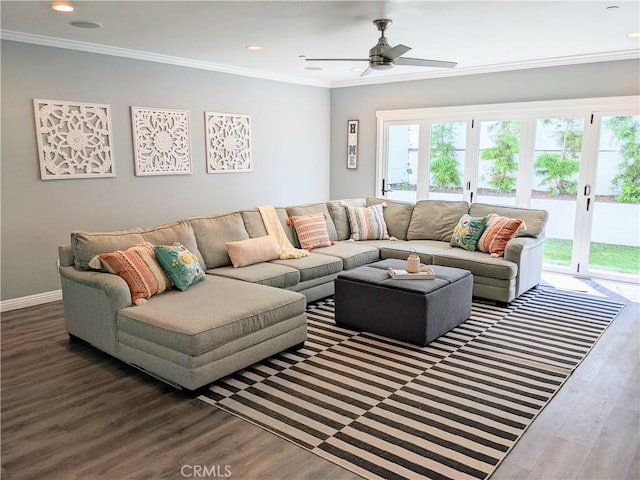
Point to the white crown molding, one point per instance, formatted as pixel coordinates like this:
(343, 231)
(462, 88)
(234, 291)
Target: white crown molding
(191, 63)
(153, 57)
(30, 300)
(498, 67)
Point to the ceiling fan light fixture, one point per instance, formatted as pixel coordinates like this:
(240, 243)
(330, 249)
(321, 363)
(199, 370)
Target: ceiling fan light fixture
(63, 7)
(381, 65)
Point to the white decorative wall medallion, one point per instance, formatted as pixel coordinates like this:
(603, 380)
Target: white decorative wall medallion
(162, 145)
(228, 142)
(74, 139)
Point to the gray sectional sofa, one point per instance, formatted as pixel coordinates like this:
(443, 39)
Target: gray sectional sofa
(238, 316)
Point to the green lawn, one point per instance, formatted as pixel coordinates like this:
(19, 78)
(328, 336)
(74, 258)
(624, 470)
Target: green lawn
(602, 256)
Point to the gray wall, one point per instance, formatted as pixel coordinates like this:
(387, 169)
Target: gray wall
(290, 140)
(607, 79)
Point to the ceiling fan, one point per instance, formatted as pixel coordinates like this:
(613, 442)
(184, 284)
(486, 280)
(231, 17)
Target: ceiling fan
(383, 56)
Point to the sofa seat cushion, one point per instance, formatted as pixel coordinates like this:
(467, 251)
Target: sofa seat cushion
(352, 254)
(313, 265)
(265, 273)
(209, 314)
(379, 244)
(424, 248)
(479, 263)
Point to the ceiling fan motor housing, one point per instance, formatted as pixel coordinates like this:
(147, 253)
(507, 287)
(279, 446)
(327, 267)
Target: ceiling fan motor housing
(377, 60)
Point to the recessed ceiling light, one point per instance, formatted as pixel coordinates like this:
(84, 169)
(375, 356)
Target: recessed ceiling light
(85, 24)
(313, 68)
(612, 7)
(635, 34)
(64, 7)
(253, 46)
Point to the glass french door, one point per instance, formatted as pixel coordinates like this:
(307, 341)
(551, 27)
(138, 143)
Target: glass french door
(614, 240)
(555, 177)
(400, 180)
(498, 162)
(424, 160)
(447, 155)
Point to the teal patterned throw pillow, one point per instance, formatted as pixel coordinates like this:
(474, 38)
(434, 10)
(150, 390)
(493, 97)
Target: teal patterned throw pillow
(180, 265)
(468, 232)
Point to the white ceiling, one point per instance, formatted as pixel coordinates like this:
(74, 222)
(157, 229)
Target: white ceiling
(479, 35)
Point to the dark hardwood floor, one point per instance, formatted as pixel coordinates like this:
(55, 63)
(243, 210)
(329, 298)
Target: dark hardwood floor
(72, 412)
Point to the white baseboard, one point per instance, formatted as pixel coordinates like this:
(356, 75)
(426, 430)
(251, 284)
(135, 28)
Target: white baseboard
(30, 300)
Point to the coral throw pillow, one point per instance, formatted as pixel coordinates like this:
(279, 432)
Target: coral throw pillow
(312, 230)
(138, 267)
(498, 232)
(367, 223)
(180, 265)
(468, 231)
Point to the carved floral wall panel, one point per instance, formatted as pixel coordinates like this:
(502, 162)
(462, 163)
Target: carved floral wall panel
(162, 143)
(228, 138)
(74, 139)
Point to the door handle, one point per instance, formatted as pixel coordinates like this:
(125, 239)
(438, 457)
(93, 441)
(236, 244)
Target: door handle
(384, 190)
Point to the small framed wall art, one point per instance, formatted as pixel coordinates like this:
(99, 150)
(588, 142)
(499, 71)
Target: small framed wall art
(74, 139)
(228, 138)
(352, 143)
(161, 141)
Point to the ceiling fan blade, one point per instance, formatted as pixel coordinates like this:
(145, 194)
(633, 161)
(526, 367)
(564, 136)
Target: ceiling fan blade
(423, 62)
(336, 59)
(397, 51)
(366, 72)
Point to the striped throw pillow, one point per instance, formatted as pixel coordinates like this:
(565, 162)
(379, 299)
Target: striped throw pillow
(498, 232)
(312, 230)
(138, 267)
(367, 223)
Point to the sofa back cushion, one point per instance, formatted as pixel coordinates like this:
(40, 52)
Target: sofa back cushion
(213, 233)
(535, 220)
(338, 211)
(435, 219)
(86, 245)
(397, 216)
(313, 208)
(255, 226)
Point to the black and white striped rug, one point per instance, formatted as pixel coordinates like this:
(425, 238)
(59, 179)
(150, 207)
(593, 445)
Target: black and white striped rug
(453, 409)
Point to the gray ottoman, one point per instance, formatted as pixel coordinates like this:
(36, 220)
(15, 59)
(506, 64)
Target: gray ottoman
(415, 311)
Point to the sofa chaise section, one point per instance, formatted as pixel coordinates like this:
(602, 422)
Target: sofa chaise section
(214, 328)
(188, 338)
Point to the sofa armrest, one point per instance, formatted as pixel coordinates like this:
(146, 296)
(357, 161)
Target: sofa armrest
(91, 303)
(527, 253)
